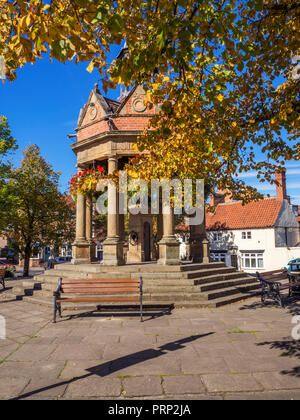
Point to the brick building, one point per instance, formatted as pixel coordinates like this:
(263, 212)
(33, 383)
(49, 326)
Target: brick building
(106, 132)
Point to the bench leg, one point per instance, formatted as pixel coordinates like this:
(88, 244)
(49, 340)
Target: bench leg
(141, 310)
(54, 311)
(141, 298)
(279, 299)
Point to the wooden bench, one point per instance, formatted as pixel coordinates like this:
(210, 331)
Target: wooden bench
(103, 290)
(2, 277)
(273, 283)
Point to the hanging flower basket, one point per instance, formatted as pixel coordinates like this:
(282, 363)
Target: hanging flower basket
(85, 182)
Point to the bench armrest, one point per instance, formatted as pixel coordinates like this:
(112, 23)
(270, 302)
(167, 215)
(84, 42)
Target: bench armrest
(58, 291)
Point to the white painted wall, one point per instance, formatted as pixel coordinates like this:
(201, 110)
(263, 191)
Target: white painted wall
(261, 240)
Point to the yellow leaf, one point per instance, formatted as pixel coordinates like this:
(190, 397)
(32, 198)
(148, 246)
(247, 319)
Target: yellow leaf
(90, 67)
(220, 97)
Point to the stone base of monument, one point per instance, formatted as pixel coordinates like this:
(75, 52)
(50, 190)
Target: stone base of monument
(112, 253)
(185, 285)
(81, 252)
(169, 251)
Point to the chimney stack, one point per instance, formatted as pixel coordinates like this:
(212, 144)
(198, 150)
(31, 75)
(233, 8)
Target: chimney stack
(220, 197)
(227, 196)
(215, 199)
(281, 193)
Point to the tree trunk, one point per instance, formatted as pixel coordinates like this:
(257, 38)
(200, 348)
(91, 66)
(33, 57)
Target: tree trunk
(27, 260)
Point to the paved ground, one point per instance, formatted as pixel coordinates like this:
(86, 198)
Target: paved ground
(243, 351)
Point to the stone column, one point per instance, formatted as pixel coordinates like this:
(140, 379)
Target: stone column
(89, 229)
(88, 219)
(159, 233)
(113, 246)
(80, 218)
(199, 245)
(81, 245)
(121, 230)
(168, 246)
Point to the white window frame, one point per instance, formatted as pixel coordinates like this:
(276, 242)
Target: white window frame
(217, 236)
(247, 234)
(218, 256)
(252, 260)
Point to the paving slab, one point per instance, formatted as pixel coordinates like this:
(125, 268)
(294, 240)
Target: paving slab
(155, 365)
(94, 386)
(142, 386)
(264, 396)
(33, 352)
(203, 365)
(258, 364)
(43, 388)
(231, 383)
(183, 384)
(78, 352)
(45, 369)
(134, 350)
(81, 368)
(277, 380)
(12, 386)
(243, 351)
(7, 350)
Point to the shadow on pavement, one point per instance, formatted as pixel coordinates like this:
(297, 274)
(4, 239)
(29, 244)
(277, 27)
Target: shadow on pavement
(115, 365)
(289, 348)
(292, 305)
(152, 311)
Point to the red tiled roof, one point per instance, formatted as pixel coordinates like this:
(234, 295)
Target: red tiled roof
(257, 214)
(298, 219)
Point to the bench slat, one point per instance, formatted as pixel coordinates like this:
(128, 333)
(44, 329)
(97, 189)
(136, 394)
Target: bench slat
(272, 272)
(102, 290)
(273, 277)
(68, 281)
(99, 285)
(100, 299)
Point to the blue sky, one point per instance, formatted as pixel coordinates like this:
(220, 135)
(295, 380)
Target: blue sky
(293, 182)
(43, 105)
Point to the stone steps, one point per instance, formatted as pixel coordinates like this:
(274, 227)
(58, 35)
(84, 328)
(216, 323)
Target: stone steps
(200, 285)
(178, 286)
(195, 274)
(216, 303)
(157, 281)
(137, 268)
(228, 283)
(170, 296)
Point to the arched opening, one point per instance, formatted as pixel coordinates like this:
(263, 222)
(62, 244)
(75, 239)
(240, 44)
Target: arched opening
(147, 244)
